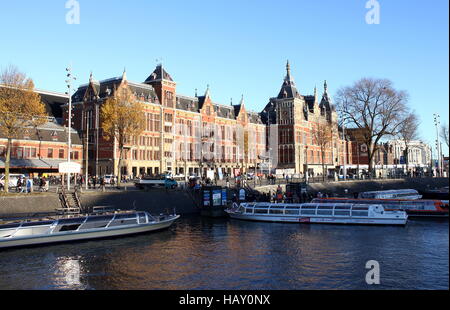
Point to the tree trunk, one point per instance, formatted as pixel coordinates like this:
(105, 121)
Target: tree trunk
(323, 166)
(7, 164)
(119, 168)
(370, 155)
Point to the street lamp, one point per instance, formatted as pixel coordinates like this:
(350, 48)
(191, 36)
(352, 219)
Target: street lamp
(437, 123)
(70, 79)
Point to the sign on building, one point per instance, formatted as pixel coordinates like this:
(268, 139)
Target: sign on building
(69, 167)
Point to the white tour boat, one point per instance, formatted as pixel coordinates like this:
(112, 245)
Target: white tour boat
(392, 194)
(80, 227)
(332, 213)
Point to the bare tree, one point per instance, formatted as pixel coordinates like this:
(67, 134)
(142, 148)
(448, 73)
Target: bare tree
(375, 107)
(444, 133)
(408, 131)
(322, 134)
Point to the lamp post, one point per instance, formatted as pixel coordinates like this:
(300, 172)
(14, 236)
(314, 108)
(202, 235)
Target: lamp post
(437, 123)
(306, 164)
(70, 79)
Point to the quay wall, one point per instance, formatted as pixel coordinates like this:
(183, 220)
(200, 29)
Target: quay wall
(368, 185)
(159, 201)
(154, 201)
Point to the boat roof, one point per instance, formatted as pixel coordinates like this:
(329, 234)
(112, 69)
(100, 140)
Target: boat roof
(330, 205)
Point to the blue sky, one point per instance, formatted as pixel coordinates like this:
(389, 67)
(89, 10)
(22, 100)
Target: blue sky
(238, 47)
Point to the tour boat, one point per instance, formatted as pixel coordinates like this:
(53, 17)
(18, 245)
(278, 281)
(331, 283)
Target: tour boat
(392, 194)
(325, 213)
(80, 227)
(413, 207)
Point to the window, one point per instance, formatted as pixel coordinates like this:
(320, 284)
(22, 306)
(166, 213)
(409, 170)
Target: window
(61, 153)
(325, 212)
(50, 153)
(19, 152)
(291, 212)
(341, 213)
(74, 155)
(360, 213)
(2, 150)
(308, 212)
(276, 211)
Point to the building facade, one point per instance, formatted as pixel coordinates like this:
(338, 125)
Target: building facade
(39, 151)
(303, 133)
(183, 134)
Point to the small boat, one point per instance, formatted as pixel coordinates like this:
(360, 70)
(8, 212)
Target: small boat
(392, 194)
(324, 213)
(413, 207)
(80, 227)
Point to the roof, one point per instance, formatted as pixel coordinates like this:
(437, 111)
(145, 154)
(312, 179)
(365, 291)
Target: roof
(106, 88)
(49, 132)
(288, 89)
(159, 74)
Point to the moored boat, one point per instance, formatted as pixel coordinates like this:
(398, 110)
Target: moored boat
(413, 207)
(391, 194)
(80, 227)
(325, 213)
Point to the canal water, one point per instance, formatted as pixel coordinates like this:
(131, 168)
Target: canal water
(199, 253)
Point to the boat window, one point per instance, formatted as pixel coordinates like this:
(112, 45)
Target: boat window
(69, 227)
(276, 211)
(342, 213)
(324, 212)
(309, 207)
(37, 223)
(142, 218)
(361, 208)
(248, 210)
(308, 212)
(12, 225)
(325, 207)
(104, 218)
(261, 211)
(125, 216)
(277, 206)
(77, 220)
(292, 212)
(360, 213)
(343, 207)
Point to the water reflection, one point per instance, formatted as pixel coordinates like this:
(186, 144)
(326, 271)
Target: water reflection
(228, 254)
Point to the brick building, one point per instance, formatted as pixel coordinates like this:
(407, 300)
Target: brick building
(39, 150)
(293, 119)
(183, 134)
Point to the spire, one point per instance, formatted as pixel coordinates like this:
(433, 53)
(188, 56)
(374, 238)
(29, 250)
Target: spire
(288, 89)
(288, 70)
(315, 91)
(124, 75)
(242, 100)
(90, 78)
(325, 87)
(207, 91)
(196, 93)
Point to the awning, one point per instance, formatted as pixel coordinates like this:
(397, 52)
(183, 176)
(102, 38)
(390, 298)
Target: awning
(33, 163)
